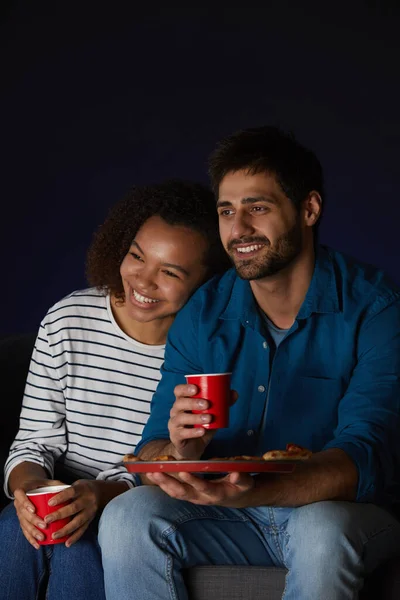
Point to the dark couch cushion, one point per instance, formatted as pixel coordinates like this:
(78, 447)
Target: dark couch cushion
(235, 583)
(267, 583)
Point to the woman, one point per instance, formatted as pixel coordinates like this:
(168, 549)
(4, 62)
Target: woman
(93, 371)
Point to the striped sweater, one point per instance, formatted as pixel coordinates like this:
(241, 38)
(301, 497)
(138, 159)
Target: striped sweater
(88, 392)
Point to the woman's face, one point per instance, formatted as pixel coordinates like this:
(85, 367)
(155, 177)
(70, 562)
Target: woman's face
(163, 267)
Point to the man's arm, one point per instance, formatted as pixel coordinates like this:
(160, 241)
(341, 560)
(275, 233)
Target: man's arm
(369, 412)
(328, 475)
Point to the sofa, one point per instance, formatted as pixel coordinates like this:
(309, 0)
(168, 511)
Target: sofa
(203, 582)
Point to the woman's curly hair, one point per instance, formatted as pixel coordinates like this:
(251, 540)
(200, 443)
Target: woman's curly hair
(179, 203)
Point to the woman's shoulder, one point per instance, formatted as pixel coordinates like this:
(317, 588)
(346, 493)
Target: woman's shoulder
(84, 303)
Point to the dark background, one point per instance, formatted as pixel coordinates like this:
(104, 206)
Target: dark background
(98, 96)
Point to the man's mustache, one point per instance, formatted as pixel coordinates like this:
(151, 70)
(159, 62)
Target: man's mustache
(247, 240)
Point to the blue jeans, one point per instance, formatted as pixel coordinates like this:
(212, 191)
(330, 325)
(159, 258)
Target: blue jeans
(74, 572)
(147, 538)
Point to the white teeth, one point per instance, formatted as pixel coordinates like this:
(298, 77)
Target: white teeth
(143, 299)
(249, 248)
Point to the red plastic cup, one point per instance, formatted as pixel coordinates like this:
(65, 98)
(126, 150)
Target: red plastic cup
(216, 388)
(40, 498)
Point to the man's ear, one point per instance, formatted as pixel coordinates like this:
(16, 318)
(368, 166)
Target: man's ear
(312, 207)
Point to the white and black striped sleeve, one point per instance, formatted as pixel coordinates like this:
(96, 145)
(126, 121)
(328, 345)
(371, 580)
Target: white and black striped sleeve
(41, 437)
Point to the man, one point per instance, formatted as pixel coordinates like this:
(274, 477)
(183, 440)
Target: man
(313, 341)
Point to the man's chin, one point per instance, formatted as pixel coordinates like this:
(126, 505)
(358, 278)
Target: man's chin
(248, 272)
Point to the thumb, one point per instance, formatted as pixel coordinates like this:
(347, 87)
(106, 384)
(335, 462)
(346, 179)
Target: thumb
(234, 397)
(243, 481)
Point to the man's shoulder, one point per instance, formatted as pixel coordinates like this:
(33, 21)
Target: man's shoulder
(362, 282)
(212, 298)
(219, 284)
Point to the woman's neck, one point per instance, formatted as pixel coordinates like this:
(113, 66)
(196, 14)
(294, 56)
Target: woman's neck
(152, 333)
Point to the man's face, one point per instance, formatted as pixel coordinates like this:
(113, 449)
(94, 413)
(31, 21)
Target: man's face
(259, 225)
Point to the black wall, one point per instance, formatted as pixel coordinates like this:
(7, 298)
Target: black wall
(97, 96)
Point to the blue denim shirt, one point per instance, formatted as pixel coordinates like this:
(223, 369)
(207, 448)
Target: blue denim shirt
(333, 382)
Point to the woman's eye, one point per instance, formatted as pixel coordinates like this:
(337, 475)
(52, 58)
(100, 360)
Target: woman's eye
(135, 256)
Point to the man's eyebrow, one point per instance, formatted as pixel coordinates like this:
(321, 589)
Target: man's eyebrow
(248, 200)
(169, 265)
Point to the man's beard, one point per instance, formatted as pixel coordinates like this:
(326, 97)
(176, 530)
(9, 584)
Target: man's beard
(286, 249)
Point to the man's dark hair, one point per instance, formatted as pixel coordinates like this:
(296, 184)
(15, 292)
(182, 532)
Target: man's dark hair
(179, 203)
(270, 150)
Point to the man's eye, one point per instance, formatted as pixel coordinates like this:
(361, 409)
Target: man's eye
(171, 274)
(258, 208)
(226, 212)
(135, 256)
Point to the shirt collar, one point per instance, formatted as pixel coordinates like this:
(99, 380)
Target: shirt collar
(321, 297)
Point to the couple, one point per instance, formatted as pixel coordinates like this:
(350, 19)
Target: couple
(313, 341)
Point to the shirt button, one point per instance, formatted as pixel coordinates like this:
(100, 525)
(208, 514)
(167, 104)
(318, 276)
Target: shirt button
(261, 388)
(265, 345)
(250, 432)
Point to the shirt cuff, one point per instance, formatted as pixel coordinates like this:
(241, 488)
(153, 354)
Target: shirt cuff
(363, 458)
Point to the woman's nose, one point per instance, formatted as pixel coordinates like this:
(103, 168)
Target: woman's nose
(145, 282)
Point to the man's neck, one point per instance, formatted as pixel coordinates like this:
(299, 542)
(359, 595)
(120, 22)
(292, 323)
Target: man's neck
(281, 296)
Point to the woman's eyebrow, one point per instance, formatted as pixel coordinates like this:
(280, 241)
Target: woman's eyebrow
(137, 246)
(177, 267)
(169, 265)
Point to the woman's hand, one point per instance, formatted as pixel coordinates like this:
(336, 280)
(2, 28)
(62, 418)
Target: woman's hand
(83, 499)
(30, 523)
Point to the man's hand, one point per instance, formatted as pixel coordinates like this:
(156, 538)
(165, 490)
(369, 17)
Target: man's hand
(30, 523)
(231, 491)
(189, 441)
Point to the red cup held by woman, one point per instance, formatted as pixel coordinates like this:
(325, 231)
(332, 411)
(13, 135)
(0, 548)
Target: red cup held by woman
(40, 498)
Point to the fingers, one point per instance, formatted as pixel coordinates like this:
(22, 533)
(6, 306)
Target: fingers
(189, 487)
(182, 420)
(30, 524)
(22, 501)
(171, 485)
(78, 524)
(76, 535)
(242, 481)
(81, 501)
(65, 496)
(186, 404)
(185, 390)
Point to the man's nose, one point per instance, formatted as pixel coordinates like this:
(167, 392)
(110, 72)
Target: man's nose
(241, 226)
